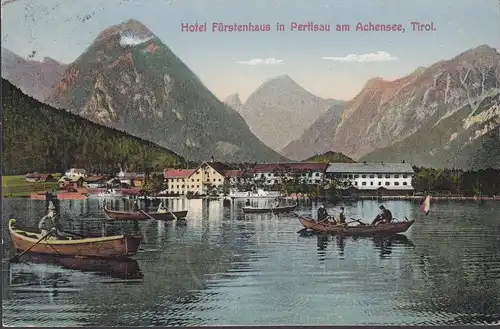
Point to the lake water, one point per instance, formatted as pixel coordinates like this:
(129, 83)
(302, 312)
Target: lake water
(226, 268)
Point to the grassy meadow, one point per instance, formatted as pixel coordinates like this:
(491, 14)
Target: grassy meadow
(18, 187)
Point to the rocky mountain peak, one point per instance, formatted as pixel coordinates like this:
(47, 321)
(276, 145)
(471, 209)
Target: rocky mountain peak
(132, 29)
(234, 101)
(386, 112)
(129, 80)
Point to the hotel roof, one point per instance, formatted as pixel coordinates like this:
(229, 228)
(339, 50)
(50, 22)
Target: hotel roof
(369, 168)
(268, 167)
(177, 173)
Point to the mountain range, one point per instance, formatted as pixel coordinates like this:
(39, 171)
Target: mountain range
(34, 78)
(38, 137)
(129, 80)
(434, 116)
(443, 115)
(280, 100)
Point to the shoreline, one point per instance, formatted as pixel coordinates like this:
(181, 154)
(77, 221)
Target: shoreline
(356, 198)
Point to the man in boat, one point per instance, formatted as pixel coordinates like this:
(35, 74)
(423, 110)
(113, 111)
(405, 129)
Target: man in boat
(385, 216)
(50, 223)
(276, 203)
(322, 214)
(135, 206)
(340, 217)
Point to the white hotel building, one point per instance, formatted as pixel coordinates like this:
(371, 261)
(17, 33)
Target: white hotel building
(373, 178)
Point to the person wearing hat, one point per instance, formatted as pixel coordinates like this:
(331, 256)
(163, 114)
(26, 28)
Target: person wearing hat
(135, 206)
(49, 223)
(385, 216)
(341, 217)
(322, 214)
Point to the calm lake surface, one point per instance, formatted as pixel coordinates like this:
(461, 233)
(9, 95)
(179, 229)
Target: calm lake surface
(226, 268)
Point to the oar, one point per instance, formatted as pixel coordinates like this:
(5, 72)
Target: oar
(357, 220)
(145, 213)
(175, 217)
(16, 257)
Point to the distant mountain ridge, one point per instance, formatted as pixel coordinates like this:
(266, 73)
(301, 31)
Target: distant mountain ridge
(468, 138)
(34, 78)
(128, 79)
(40, 138)
(385, 113)
(330, 157)
(279, 110)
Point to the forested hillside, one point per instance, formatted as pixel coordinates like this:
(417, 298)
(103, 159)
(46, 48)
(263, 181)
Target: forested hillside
(37, 137)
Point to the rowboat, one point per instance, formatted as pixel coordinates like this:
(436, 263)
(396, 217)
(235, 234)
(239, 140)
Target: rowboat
(138, 215)
(380, 229)
(253, 210)
(105, 247)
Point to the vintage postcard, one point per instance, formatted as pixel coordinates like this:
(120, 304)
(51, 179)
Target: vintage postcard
(218, 162)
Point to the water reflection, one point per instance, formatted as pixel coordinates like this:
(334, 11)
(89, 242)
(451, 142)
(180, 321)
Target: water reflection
(383, 244)
(121, 269)
(226, 268)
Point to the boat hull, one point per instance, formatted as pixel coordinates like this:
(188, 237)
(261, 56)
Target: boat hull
(250, 210)
(133, 215)
(381, 229)
(101, 247)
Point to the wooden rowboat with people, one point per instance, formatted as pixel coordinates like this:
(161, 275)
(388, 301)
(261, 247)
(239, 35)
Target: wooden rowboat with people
(276, 210)
(362, 229)
(104, 247)
(141, 215)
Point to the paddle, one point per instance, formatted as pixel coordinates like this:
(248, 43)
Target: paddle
(175, 217)
(145, 213)
(357, 220)
(16, 257)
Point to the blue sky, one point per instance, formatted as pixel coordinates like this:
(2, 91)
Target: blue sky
(58, 29)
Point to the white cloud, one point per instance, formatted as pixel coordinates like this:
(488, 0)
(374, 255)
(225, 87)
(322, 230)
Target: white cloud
(379, 56)
(262, 61)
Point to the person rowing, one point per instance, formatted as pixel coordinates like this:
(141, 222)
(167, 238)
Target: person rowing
(322, 214)
(385, 216)
(49, 224)
(135, 206)
(276, 203)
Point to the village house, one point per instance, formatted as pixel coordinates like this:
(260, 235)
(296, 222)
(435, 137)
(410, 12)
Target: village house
(133, 179)
(66, 182)
(176, 180)
(234, 177)
(95, 181)
(75, 172)
(37, 177)
(209, 176)
(373, 178)
(275, 173)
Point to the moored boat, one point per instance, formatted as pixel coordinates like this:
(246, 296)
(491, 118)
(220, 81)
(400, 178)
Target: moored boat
(276, 210)
(380, 229)
(139, 215)
(260, 194)
(103, 247)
